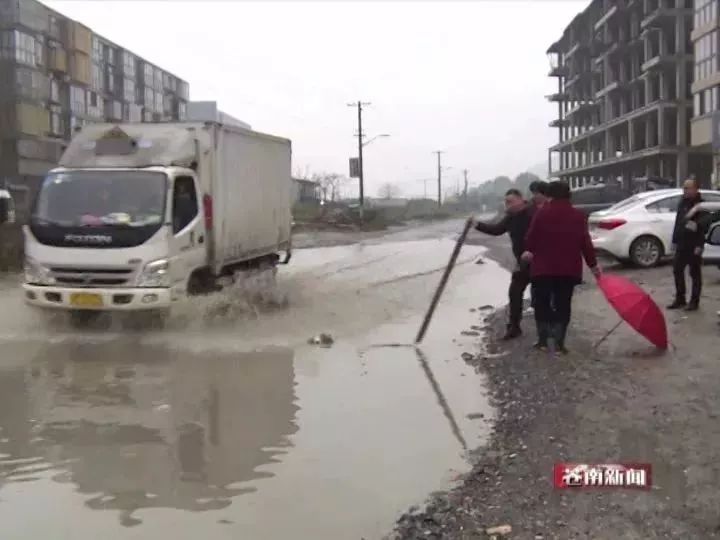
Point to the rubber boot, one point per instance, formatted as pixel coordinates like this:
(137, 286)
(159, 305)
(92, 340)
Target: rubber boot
(678, 303)
(543, 335)
(559, 333)
(513, 331)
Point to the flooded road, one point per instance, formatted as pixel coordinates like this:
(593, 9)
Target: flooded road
(233, 426)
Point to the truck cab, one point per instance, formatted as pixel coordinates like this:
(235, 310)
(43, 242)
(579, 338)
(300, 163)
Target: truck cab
(114, 238)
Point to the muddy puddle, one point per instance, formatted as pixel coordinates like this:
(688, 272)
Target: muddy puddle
(241, 429)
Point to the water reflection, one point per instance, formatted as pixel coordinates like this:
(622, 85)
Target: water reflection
(139, 427)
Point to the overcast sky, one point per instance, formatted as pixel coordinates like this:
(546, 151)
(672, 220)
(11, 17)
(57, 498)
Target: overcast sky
(468, 78)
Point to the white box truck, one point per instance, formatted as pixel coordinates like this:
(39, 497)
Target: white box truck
(138, 216)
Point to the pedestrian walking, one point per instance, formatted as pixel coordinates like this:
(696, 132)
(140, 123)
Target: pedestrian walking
(556, 244)
(516, 222)
(688, 242)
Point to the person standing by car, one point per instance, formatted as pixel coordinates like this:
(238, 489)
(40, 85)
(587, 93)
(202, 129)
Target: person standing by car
(556, 244)
(515, 222)
(688, 241)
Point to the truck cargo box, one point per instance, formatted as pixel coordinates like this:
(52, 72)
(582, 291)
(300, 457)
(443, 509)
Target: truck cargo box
(244, 175)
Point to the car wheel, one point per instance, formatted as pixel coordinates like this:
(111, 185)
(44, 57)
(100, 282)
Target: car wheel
(646, 251)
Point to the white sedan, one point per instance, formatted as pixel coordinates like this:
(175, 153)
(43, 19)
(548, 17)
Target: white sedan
(639, 229)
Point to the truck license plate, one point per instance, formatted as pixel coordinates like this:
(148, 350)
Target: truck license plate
(86, 300)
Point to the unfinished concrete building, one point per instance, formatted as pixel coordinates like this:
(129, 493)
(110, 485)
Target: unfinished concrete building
(706, 83)
(624, 70)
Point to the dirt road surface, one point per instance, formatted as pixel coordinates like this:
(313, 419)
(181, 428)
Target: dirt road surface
(621, 402)
(228, 424)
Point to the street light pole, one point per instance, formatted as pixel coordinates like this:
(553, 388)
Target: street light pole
(439, 176)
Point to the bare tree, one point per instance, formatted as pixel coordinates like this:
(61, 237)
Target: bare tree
(388, 190)
(330, 184)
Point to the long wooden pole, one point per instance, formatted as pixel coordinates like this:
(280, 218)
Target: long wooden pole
(443, 281)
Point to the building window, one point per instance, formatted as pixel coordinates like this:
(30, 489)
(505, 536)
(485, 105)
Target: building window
(158, 85)
(109, 55)
(77, 100)
(32, 84)
(706, 55)
(182, 111)
(128, 65)
(97, 78)
(159, 107)
(96, 105)
(75, 123)
(705, 12)
(21, 47)
(110, 81)
(129, 91)
(149, 74)
(113, 110)
(97, 50)
(54, 91)
(183, 90)
(149, 98)
(57, 125)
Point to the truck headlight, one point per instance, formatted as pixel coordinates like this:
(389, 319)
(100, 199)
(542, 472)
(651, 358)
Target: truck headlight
(155, 274)
(37, 274)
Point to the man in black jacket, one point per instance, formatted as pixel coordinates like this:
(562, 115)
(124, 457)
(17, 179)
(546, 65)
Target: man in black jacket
(688, 240)
(516, 222)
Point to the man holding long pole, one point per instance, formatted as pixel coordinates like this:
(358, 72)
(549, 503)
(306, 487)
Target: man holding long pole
(516, 222)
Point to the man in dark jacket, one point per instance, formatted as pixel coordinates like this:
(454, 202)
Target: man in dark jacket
(515, 222)
(556, 244)
(688, 240)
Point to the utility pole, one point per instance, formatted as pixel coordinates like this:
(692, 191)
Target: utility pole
(360, 136)
(439, 175)
(465, 187)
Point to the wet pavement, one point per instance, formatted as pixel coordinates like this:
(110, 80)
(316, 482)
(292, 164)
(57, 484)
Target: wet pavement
(233, 426)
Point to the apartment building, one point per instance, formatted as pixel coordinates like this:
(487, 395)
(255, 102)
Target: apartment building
(56, 75)
(705, 123)
(625, 71)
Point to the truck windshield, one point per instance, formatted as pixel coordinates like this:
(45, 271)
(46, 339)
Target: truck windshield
(101, 199)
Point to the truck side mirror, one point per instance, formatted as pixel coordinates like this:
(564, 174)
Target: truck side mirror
(713, 237)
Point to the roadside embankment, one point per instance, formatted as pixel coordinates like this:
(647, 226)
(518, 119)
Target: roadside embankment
(620, 402)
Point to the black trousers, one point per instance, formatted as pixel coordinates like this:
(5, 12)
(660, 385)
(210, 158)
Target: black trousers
(683, 259)
(552, 296)
(516, 295)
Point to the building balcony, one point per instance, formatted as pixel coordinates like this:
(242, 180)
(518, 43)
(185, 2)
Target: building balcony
(558, 123)
(582, 76)
(663, 16)
(557, 96)
(661, 61)
(610, 88)
(558, 71)
(578, 47)
(583, 106)
(605, 18)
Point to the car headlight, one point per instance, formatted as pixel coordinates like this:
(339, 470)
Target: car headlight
(155, 274)
(37, 274)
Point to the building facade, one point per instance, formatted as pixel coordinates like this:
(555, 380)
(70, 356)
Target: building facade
(706, 83)
(625, 71)
(56, 75)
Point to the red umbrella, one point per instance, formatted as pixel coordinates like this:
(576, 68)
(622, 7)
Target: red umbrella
(636, 307)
